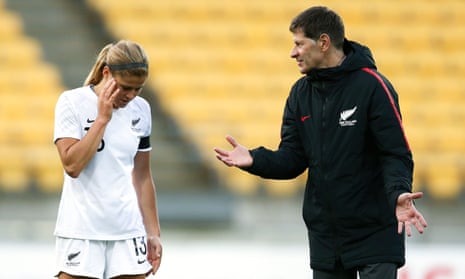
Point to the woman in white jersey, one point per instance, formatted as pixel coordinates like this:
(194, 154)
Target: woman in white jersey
(107, 224)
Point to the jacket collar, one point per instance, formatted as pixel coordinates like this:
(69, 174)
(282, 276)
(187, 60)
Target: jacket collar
(357, 57)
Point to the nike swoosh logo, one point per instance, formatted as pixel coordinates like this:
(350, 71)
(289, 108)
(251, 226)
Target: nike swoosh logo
(73, 255)
(140, 261)
(135, 121)
(305, 117)
(90, 120)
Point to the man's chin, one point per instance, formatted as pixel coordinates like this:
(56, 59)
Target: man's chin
(303, 70)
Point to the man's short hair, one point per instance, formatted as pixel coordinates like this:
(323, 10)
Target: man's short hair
(318, 20)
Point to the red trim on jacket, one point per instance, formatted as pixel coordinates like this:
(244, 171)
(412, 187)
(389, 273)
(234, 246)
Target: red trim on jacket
(391, 100)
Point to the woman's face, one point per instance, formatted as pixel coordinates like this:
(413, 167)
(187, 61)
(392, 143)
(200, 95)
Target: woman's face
(130, 87)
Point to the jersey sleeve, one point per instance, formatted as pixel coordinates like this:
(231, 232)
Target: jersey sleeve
(144, 124)
(67, 123)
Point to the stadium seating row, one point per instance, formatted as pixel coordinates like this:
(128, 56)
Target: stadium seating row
(224, 69)
(353, 11)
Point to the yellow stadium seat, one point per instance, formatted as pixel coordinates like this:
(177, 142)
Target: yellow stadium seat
(418, 178)
(12, 108)
(19, 53)
(240, 182)
(46, 168)
(11, 25)
(451, 139)
(444, 178)
(14, 176)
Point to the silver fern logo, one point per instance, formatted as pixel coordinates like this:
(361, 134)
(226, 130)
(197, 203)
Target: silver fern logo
(345, 115)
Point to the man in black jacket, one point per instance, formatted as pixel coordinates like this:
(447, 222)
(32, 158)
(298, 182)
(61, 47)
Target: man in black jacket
(342, 122)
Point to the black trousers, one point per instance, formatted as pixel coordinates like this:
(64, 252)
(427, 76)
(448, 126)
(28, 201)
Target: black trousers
(371, 271)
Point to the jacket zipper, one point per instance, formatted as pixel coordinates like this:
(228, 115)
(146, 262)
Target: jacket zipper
(324, 166)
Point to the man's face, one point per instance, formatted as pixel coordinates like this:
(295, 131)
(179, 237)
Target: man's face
(306, 52)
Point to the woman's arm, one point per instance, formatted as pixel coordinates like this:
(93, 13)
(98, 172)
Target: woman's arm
(146, 196)
(74, 153)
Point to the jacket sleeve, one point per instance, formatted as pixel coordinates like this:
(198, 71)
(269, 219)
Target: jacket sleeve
(385, 122)
(289, 160)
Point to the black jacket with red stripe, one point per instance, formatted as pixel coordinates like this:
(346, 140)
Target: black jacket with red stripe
(344, 125)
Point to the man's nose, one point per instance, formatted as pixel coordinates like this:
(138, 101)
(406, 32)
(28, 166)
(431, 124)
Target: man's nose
(293, 53)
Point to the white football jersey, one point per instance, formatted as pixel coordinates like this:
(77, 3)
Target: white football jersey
(101, 203)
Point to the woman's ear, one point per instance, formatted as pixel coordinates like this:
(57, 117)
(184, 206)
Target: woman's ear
(106, 72)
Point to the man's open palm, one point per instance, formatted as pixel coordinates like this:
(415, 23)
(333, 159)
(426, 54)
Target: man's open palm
(239, 156)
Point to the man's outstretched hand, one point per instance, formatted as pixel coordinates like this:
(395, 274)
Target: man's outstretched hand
(239, 156)
(407, 214)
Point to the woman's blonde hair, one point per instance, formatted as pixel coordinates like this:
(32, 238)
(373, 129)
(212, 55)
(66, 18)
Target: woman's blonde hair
(123, 58)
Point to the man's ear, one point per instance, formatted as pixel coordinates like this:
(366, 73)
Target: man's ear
(324, 42)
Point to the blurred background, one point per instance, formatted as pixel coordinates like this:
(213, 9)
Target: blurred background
(218, 68)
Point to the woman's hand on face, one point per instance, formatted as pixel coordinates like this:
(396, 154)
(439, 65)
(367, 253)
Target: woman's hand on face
(106, 99)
